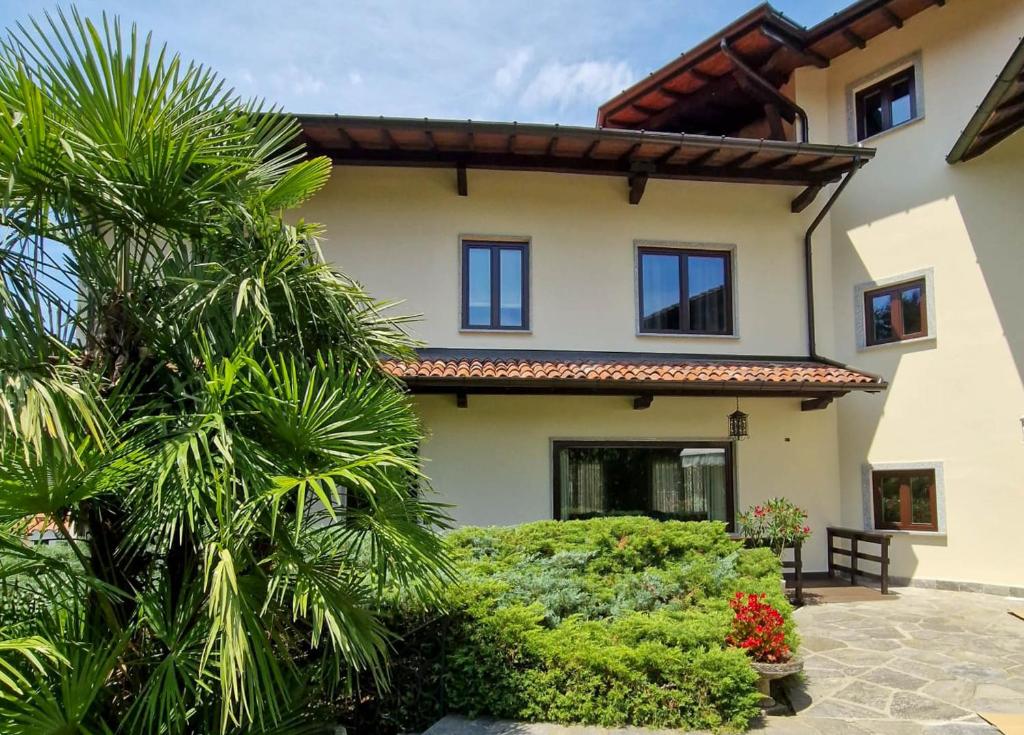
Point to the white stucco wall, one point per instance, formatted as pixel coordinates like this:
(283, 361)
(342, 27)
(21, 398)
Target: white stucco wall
(958, 399)
(493, 460)
(397, 230)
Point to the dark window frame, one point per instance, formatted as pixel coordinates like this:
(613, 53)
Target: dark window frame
(683, 255)
(730, 468)
(895, 292)
(495, 247)
(906, 504)
(884, 89)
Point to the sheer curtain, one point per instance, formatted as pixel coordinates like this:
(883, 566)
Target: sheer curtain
(666, 475)
(704, 487)
(582, 482)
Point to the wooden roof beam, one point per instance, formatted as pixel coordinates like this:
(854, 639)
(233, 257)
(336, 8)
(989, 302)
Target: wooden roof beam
(702, 158)
(804, 199)
(348, 140)
(667, 155)
(854, 39)
(389, 139)
(643, 401)
(628, 155)
(701, 76)
(461, 180)
(741, 159)
(816, 404)
(1007, 125)
(779, 160)
(637, 186)
(894, 20)
(798, 48)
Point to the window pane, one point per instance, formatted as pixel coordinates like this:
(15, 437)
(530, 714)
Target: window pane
(910, 299)
(706, 282)
(921, 500)
(660, 298)
(479, 274)
(900, 105)
(891, 500)
(872, 114)
(511, 298)
(881, 317)
(669, 483)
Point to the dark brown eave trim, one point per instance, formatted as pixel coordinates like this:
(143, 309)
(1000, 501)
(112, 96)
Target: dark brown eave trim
(844, 157)
(531, 386)
(966, 146)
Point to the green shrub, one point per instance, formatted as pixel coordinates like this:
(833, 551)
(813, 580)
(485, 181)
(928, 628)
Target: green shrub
(609, 621)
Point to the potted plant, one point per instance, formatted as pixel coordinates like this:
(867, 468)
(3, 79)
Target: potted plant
(777, 523)
(759, 629)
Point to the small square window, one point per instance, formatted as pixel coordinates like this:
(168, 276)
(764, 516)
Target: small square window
(905, 499)
(896, 313)
(495, 294)
(887, 104)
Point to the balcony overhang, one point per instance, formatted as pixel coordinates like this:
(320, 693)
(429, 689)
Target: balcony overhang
(644, 375)
(703, 91)
(1000, 114)
(634, 155)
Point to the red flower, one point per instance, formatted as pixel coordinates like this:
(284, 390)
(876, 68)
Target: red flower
(757, 627)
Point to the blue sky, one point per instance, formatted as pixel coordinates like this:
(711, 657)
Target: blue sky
(538, 61)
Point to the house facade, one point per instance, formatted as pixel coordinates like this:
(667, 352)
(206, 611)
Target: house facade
(768, 225)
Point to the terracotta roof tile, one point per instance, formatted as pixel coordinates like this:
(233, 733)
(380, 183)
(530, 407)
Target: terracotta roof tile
(531, 365)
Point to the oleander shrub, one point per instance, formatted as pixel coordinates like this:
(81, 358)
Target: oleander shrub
(608, 621)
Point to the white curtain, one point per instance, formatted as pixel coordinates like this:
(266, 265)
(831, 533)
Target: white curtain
(703, 474)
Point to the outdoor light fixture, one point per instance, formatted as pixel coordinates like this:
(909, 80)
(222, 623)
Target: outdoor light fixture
(738, 423)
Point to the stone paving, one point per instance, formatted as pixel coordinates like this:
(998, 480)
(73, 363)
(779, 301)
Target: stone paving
(926, 662)
(922, 664)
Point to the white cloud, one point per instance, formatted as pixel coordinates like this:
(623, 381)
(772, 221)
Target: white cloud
(509, 74)
(297, 81)
(355, 78)
(562, 86)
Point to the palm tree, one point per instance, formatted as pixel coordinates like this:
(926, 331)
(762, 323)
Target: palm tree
(191, 398)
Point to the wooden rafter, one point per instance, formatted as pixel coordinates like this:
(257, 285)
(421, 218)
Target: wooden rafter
(637, 186)
(804, 199)
(894, 20)
(854, 39)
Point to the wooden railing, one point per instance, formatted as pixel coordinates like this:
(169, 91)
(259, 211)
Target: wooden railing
(797, 567)
(855, 555)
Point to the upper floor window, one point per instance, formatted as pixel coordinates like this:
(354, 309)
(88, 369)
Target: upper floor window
(495, 294)
(886, 104)
(685, 291)
(896, 313)
(905, 499)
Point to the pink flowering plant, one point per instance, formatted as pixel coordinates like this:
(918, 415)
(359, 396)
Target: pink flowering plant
(777, 523)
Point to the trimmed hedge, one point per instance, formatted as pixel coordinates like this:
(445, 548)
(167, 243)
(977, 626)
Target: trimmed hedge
(610, 621)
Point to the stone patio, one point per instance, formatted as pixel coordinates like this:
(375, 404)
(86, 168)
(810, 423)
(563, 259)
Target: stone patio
(922, 664)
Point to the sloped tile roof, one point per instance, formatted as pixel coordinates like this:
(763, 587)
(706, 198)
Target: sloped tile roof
(666, 370)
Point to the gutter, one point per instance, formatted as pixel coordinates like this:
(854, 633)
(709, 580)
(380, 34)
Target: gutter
(768, 88)
(812, 346)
